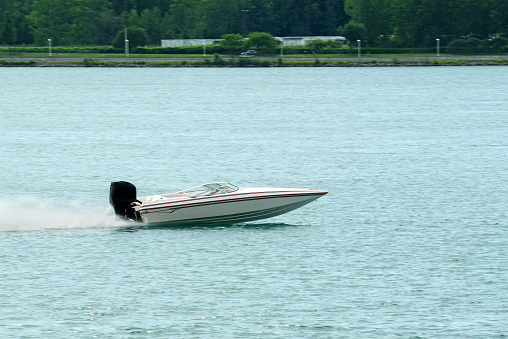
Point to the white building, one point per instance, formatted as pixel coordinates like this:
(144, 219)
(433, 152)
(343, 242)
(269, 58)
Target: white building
(303, 40)
(188, 42)
(285, 41)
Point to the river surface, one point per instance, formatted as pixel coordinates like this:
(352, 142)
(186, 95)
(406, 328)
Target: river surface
(410, 242)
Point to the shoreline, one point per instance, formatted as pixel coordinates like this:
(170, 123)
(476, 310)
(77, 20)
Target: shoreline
(261, 61)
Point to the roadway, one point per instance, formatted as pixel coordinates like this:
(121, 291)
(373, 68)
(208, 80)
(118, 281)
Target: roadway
(286, 58)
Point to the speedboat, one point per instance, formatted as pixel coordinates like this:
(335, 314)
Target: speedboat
(213, 203)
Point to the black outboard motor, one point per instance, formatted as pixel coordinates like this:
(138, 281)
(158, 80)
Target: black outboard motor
(122, 196)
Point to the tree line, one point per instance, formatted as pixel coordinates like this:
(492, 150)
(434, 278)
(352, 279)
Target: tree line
(386, 23)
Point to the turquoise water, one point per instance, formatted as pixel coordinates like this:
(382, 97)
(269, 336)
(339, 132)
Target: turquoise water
(411, 241)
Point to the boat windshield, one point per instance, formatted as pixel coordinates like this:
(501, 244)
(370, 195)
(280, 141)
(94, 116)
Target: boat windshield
(210, 189)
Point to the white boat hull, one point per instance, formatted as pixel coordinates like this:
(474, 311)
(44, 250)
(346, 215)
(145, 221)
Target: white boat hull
(227, 209)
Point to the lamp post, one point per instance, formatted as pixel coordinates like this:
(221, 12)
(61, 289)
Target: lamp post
(437, 47)
(50, 52)
(359, 48)
(245, 12)
(126, 40)
(282, 47)
(204, 47)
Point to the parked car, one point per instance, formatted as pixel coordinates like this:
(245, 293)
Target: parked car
(249, 52)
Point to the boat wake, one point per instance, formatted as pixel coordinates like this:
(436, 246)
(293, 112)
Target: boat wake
(30, 215)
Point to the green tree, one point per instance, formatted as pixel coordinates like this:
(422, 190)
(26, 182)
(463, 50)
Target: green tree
(418, 23)
(187, 18)
(498, 17)
(261, 16)
(353, 31)
(469, 18)
(232, 42)
(303, 15)
(66, 22)
(264, 42)
(136, 36)
(167, 29)
(8, 33)
(152, 22)
(87, 22)
(20, 10)
(403, 23)
(50, 19)
(374, 14)
(222, 17)
(133, 19)
(283, 17)
(105, 27)
(333, 16)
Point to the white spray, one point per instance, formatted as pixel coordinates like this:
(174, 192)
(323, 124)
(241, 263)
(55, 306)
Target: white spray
(32, 215)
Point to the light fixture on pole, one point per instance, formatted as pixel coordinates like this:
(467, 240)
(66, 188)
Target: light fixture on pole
(204, 47)
(359, 48)
(50, 52)
(437, 47)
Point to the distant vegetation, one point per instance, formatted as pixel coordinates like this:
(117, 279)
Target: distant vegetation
(464, 26)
